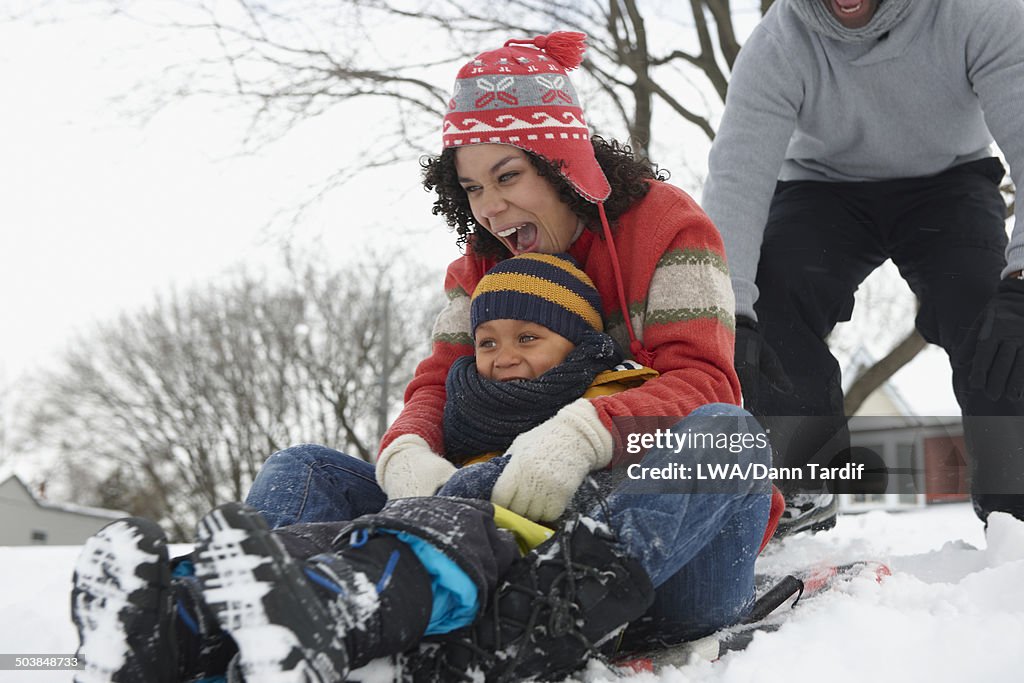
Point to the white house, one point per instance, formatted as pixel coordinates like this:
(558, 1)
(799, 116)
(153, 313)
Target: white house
(26, 520)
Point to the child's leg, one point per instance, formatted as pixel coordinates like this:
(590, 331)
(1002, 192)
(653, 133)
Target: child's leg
(421, 565)
(294, 620)
(556, 607)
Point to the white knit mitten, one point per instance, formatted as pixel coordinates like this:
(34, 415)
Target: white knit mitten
(408, 467)
(550, 461)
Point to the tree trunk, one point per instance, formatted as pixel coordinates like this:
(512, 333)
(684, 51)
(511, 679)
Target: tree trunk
(879, 373)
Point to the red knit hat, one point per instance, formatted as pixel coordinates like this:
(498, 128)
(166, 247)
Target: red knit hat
(521, 96)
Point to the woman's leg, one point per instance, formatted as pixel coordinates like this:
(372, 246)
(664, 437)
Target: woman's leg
(697, 535)
(311, 483)
(716, 588)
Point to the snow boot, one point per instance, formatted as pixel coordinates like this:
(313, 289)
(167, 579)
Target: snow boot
(557, 606)
(309, 620)
(137, 622)
(204, 650)
(122, 605)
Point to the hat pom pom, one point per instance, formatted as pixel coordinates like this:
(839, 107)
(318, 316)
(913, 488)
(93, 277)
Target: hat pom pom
(567, 47)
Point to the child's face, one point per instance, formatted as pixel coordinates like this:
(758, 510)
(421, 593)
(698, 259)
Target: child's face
(515, 349)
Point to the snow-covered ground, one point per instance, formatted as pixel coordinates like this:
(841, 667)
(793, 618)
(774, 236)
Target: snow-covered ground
(953, 609)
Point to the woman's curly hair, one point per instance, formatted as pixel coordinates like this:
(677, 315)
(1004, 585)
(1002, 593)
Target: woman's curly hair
(626, 174)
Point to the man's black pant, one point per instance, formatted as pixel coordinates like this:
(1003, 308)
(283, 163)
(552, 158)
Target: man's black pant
(946, 235)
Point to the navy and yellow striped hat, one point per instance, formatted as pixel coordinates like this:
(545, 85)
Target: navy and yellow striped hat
(547, 289)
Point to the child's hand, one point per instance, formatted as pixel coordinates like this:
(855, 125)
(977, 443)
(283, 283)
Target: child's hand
(549, 462)
(475, 481)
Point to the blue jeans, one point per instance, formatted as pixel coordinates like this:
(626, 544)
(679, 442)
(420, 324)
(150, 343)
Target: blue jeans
(697, 545)
(697, 539)
(311, 483)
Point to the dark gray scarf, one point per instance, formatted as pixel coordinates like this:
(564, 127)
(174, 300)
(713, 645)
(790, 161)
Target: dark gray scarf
(819, 18)
(481, 415)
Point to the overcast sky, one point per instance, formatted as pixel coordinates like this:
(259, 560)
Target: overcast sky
(99, 211)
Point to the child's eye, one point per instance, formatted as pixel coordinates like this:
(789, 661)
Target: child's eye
(485, 344)
(526, 338)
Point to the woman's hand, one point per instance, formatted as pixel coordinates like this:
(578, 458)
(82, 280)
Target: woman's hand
(407, 468)
(549, 462)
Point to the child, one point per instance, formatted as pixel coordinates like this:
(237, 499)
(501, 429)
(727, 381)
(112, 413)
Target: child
(539, 344)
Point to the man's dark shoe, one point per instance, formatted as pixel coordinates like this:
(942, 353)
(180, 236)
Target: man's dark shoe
(808, 512)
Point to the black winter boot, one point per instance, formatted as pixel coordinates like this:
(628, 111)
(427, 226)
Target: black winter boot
(204, 650)
(312, 620)
(562, 603)
(122, 605)
(137, 623)
(377, 592)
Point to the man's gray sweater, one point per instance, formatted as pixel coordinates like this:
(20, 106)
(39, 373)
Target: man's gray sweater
(928, 93)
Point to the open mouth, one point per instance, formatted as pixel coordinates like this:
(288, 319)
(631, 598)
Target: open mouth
(519, 238)
(850, 8)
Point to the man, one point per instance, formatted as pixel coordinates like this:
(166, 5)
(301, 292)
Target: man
(875, 117)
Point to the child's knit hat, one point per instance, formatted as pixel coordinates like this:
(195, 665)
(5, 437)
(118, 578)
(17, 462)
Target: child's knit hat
(547, 289)
(521, 96)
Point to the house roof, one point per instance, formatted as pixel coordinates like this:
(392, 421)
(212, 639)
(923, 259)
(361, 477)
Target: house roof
(65, 507)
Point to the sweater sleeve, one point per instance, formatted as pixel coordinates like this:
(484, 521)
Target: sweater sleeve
(759, 119)
(995, 67)
(423, 411)
(683, 310)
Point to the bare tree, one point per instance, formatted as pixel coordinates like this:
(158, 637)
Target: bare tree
(172, 409)
(297, 65)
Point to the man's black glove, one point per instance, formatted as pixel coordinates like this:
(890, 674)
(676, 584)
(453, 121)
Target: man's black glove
(756, 362)
(998, 342)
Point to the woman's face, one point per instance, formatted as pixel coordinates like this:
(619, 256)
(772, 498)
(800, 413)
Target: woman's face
(515, 204)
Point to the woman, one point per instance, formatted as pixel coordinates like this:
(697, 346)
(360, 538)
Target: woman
(520, 173)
